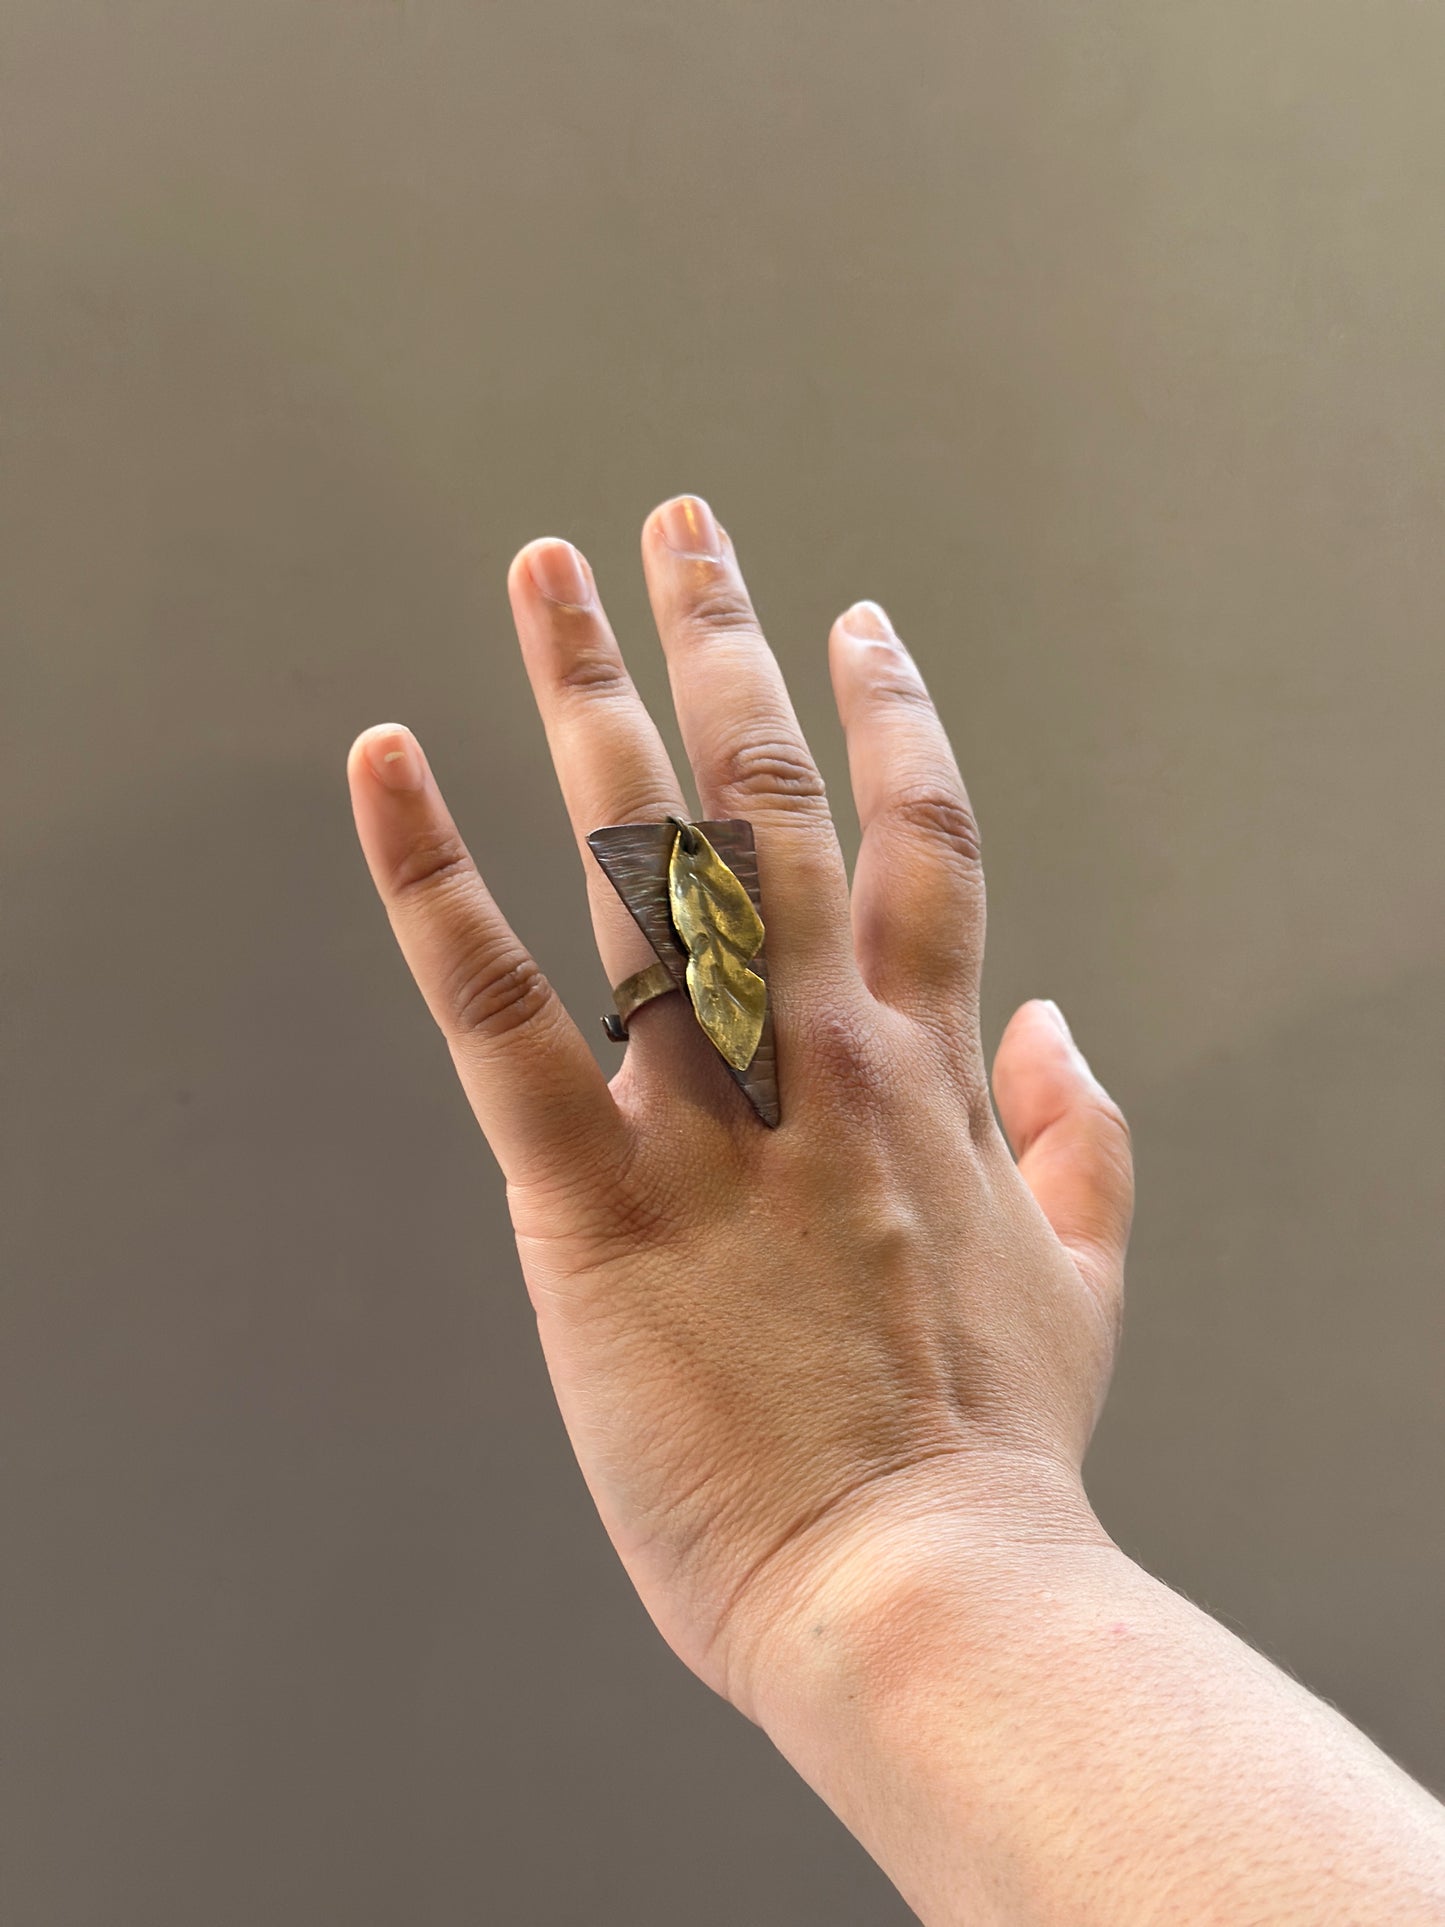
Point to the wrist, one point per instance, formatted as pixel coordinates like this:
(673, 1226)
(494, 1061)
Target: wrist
(909, 1679)
(843, 1612)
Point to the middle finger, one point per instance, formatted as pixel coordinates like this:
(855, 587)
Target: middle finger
(743, 739)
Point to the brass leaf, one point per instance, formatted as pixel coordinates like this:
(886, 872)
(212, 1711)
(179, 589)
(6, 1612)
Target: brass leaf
(714, 916)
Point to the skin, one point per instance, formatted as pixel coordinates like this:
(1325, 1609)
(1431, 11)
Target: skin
(831, 1385)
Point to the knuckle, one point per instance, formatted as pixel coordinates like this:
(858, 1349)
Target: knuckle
(942, 815)
(432, 862)
(495, 991)
(885, 1231)
(843, 1050)
(772, 766)
(718, 606)
(892, 678)
(1115, 1124)
(594, 671)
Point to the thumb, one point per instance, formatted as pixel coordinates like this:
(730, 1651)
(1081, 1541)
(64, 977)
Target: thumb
(1070, 1140)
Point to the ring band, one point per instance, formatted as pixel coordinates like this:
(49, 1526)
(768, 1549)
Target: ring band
(632, 993)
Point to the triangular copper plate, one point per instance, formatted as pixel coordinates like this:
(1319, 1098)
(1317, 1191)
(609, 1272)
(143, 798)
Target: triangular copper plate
(634, 857)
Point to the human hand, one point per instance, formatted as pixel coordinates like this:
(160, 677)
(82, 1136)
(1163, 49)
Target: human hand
(772, 1347)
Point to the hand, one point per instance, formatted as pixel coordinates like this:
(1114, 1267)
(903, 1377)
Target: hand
(773, 1348)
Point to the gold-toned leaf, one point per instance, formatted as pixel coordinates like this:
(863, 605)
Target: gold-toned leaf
(720, 929)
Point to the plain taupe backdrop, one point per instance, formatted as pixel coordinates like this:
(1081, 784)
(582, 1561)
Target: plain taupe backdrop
(1104, 346)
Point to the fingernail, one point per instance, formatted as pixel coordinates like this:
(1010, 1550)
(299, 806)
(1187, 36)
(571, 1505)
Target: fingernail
(559, 572)
(689, 526)
(869, 619)
(395, 757)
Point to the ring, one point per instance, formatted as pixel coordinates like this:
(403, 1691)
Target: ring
(692, 889)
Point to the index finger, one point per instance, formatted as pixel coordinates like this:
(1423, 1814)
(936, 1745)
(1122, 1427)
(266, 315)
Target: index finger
(537, 1091)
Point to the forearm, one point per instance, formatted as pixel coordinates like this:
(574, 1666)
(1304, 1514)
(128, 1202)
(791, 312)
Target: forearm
(1048, 1734)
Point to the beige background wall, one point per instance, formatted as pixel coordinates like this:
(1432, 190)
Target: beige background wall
(1104, 344)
